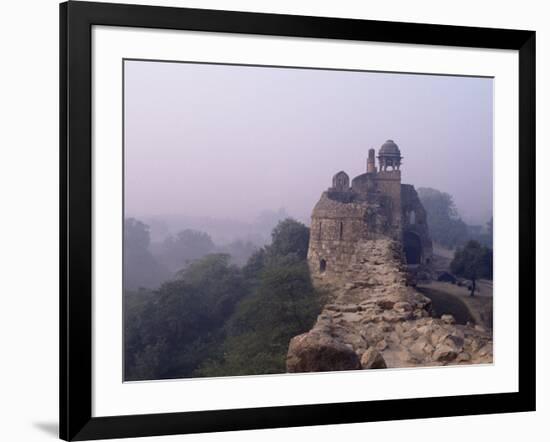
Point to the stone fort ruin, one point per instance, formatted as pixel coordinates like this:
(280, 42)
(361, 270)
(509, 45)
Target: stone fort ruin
(366, 239)
(376, 205)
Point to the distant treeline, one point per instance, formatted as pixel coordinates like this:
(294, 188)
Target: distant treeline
(445, 224)
(147, 264)
(222, 230)
(214, 318)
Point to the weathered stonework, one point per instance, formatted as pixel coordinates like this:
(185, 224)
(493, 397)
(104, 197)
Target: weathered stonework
(417, 244)
(364, 241)
(375, 320)
(376, 205)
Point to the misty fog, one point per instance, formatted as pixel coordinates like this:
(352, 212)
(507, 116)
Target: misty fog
(229, 150)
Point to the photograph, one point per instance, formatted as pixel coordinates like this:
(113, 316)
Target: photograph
(280, 219)
(243, 221)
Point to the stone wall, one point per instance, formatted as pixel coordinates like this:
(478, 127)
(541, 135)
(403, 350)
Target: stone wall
(376, 321)
(339, 221)
(388, 184)
(414, 220)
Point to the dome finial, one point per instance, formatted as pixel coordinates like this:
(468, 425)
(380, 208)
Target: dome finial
(389, 156)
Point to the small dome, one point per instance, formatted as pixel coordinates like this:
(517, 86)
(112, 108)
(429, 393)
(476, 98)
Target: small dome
(389, 148)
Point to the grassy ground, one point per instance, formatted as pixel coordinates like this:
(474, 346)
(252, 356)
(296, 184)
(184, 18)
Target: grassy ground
(455, 300)
(443, 303)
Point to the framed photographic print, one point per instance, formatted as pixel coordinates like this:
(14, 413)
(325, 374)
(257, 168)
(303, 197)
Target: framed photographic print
(273, 220)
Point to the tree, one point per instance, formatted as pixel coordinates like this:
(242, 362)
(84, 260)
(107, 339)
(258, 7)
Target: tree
(188, 245)
(216, 319)
(255, 264)
(136, 234)
(170, 332)
(267, 220)
(239, 250)
(220, 283)
(141, 269)
(473, 262)
(282, 305)
(289, 236)
(446, 226)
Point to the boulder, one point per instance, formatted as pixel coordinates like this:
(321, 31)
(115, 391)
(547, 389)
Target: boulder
(487, 349)
(385, 304)
(402, 306)
(372, 359)
(382, 345)
(421, 347)
(448, 319)
(444, 353)
(311, 352)
(463, 357)
(455, 342)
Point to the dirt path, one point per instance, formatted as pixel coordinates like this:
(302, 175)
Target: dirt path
(450, 298)
(447, 304)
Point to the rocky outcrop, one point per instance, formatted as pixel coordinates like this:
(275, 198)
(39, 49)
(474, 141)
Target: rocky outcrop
(317, 351)
(375, 320)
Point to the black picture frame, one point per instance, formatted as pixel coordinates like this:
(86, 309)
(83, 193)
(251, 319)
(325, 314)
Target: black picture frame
(76, 21)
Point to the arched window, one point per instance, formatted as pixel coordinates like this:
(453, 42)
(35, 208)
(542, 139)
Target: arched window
(341, 230)
(320, 224)
(322, 265)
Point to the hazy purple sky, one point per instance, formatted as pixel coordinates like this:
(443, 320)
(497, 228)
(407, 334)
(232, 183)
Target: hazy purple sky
(231, 141)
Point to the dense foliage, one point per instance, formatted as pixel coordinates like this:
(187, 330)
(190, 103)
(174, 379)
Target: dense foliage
(148, 265)
(141, 269)
(239, 251)
(216, 319)
(446, 226)
(473, 261)
(188, 245)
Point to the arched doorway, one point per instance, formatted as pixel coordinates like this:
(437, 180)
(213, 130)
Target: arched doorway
(413, 248)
